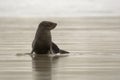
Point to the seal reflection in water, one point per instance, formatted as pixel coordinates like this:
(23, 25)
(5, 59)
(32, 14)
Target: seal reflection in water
(42, 43)
(44, 67)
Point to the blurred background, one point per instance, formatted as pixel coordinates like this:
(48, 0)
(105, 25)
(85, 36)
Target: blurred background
(59, 8)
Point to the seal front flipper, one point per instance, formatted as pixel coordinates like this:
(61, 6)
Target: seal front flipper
(32, 51)
(57, 50)
(63, 51)
(34, 43)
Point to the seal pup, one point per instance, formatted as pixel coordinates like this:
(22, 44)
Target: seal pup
(42, 43)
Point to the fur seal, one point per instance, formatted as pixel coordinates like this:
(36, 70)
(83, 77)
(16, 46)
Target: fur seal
(42, 43)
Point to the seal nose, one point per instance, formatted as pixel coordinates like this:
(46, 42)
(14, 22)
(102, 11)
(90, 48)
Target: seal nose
(55, 24)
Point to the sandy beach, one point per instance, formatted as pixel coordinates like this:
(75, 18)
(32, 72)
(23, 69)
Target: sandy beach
(93, 43)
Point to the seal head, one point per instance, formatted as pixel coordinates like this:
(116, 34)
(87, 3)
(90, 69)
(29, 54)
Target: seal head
(48, 25)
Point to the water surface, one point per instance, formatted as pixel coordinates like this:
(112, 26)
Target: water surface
(94, 46)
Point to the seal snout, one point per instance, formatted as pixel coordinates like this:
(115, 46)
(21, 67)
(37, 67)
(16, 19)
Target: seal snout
(54, 25)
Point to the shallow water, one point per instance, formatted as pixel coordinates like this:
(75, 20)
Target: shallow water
(94, 47)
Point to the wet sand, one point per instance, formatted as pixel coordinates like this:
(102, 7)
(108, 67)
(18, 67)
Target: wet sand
(93, 43)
